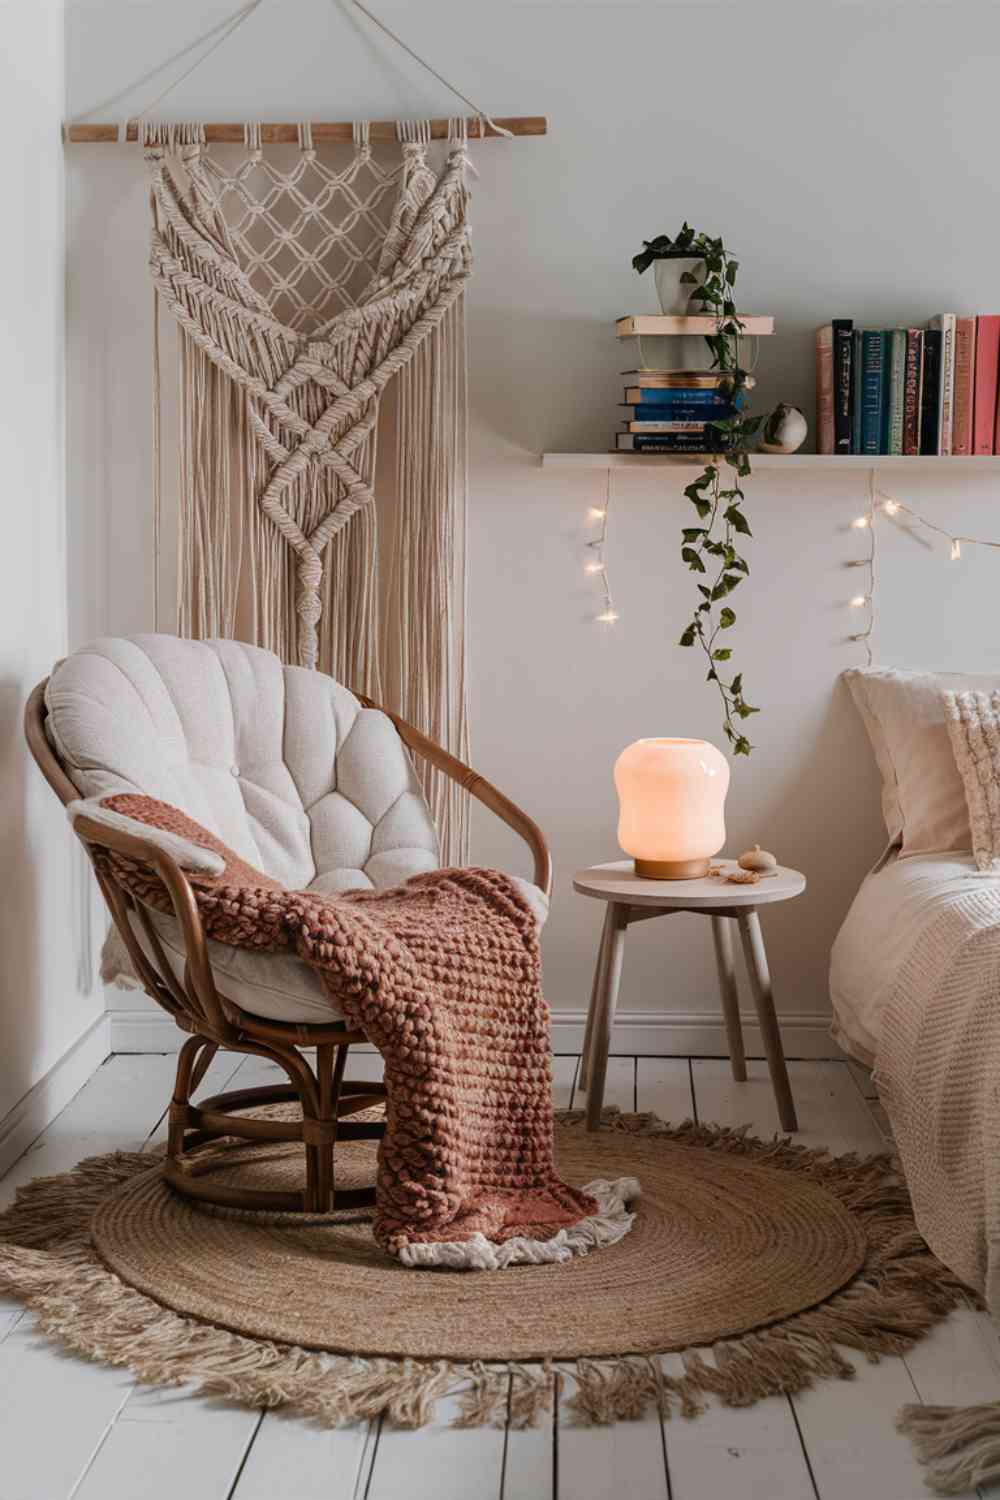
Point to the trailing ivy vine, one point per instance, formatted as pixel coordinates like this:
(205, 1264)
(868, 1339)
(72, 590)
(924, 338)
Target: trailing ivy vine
(711, 548)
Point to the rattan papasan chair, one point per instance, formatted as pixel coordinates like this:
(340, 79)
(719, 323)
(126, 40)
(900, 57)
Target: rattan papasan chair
(301, 778)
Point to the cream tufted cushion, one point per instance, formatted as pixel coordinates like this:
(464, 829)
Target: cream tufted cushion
(281, 763)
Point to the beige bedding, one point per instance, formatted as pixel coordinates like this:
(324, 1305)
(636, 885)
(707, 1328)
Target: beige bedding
(915, 979)
(886, 918)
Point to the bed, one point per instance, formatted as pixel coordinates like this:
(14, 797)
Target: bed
(915, 968)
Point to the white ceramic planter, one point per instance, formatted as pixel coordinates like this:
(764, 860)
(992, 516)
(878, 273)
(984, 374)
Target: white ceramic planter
(674, 294)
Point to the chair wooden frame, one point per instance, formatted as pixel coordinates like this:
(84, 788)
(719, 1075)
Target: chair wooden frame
(326, 1097)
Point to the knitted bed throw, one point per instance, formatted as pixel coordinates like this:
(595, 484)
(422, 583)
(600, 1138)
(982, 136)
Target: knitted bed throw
(442, 974)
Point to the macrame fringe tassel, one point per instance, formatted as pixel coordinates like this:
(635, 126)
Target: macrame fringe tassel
(216, 468)
(959, 1444)
(424, 638)
(47, 1261)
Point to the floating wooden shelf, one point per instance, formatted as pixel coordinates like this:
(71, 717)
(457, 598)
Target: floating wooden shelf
(989, 463)
(657, 326)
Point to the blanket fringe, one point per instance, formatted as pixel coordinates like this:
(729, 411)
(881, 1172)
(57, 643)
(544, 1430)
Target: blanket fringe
(46, 1261)
(595, 1232)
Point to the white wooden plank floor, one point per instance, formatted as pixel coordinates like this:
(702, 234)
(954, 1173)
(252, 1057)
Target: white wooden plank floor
(70, 1430)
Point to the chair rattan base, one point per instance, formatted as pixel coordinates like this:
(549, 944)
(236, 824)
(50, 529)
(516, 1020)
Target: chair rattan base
(327, 1100)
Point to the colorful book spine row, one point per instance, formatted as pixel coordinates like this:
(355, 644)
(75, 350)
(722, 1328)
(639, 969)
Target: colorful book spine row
(931, 390)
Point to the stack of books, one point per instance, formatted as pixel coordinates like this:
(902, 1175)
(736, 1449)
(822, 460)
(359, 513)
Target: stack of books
(930, 390)
(668, 411)
(673, 398)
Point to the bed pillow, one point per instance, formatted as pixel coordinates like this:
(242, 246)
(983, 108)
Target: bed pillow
(923, 799)
(974, 727)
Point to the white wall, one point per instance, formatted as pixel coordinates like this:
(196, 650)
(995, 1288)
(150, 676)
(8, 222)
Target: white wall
(844, 150)
(47, 999)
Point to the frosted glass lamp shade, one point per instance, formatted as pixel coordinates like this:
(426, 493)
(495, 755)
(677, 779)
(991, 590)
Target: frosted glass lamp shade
(671, 798)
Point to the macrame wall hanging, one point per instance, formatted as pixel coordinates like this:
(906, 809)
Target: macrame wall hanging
(304, 289)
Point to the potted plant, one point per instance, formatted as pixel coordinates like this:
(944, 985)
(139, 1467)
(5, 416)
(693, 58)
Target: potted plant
(711, 548)
(679, 269)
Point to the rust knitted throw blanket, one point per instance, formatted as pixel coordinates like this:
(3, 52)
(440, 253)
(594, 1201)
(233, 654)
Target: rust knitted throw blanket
(443, 975)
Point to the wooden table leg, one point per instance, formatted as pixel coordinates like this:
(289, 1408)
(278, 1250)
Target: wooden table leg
(760, 980)
(722, 936)
(583, 1075)
(609, 978)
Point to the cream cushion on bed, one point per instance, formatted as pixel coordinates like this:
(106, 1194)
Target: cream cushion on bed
(923, 799)
(281, 763)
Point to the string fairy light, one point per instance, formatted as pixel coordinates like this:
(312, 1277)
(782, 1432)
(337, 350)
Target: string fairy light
(866, 600)
(881, 503)
(596, 565)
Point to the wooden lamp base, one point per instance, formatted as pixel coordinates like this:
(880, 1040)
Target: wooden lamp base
(672, 869)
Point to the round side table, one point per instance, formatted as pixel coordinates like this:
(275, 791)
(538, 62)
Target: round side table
(632, 899)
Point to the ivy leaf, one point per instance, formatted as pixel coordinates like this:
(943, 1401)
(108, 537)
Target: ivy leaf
(727, 618)
(689, 637)
(738, 521)
(736, 686)
(723, 654)
(741, 566)
(703, 590)
(745, 710)
(692, 559)
(742, 745)
(692, 533)
(713, 675)
(731, 270)
(703, 507)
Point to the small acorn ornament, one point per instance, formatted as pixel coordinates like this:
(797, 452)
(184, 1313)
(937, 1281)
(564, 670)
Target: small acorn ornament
(759, 860)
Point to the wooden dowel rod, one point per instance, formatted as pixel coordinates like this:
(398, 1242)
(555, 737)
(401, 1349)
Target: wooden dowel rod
(284, 134)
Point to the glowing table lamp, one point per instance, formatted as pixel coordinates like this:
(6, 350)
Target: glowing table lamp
(671, 796)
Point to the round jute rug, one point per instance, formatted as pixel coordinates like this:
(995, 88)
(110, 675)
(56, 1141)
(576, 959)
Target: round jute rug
(719, 1245)
(769, 1254)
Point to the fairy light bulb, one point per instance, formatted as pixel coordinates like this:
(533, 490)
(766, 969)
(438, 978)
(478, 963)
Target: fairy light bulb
(891, 507)
(860, 522)
(597, 513)
(608, 617)
(859, 601)
(956, 549)
(593, 567)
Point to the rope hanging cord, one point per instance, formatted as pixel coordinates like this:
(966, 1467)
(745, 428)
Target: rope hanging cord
(130, 129)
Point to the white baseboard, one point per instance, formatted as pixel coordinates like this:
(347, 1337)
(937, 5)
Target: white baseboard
(51, 1094)
(694, 1034)
(647, 1033)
